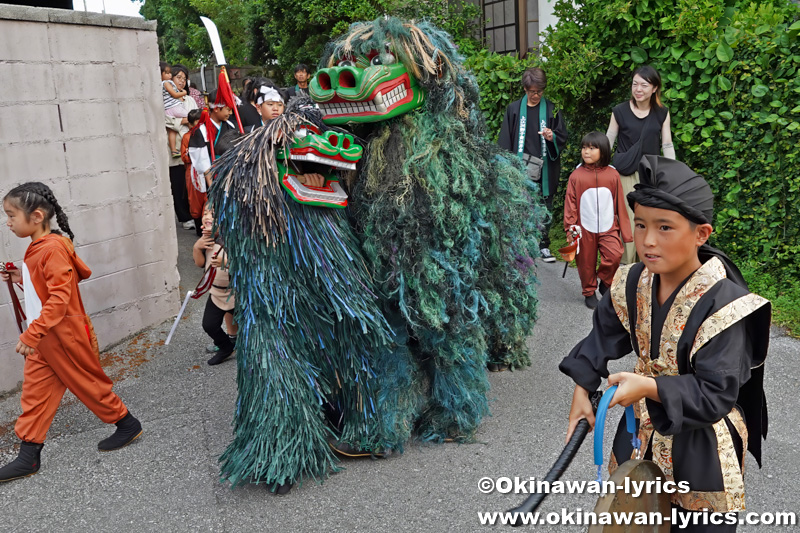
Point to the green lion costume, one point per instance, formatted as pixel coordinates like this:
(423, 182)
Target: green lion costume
(448, 223)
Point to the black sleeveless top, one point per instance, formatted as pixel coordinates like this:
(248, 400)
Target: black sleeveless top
(632, 127)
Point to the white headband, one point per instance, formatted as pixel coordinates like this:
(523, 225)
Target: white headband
(268, 94)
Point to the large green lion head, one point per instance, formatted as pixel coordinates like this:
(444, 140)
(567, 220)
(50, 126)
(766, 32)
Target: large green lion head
(388, 67)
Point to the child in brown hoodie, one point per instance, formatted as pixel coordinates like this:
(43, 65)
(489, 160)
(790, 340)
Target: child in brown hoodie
(59, 345)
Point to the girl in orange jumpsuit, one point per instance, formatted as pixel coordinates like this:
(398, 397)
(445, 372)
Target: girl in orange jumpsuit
(59, 345)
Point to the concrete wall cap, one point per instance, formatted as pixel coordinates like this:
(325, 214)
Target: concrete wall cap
(65, 16)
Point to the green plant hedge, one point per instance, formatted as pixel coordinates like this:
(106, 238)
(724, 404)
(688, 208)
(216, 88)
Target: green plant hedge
(730, 81)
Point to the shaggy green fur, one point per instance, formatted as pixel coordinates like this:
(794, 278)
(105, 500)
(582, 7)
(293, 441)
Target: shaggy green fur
(449, 224)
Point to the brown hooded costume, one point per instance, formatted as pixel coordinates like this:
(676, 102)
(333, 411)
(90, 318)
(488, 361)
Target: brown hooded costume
(596, 203)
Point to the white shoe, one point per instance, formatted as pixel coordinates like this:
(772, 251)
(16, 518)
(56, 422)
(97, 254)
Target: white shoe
(546, 256)
(189, 224)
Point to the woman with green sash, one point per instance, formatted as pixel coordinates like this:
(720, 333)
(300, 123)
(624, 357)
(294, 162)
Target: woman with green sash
(536, 131)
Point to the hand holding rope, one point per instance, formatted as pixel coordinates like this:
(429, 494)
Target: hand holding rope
(19, 313)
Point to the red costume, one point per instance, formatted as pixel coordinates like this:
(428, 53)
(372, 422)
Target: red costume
(595, 202)
(66, 354)
(197, 199)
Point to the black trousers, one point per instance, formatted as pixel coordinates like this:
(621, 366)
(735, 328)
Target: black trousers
(545, 242)
(180, 198)
(213, 317)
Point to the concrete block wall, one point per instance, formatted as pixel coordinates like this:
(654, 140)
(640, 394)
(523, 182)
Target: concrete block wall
(81, 108)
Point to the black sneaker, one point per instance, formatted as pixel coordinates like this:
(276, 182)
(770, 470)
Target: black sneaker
(212, 348)
(591, 301)
(497, 367)
(219, 357)
(547, 257)
(280, 490)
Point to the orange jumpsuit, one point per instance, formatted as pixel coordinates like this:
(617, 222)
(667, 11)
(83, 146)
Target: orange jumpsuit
(66, 354)
(595, 202)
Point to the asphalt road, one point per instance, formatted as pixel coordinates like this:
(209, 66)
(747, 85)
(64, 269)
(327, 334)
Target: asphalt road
(168, 481)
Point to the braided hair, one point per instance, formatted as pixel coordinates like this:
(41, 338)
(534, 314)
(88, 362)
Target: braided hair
(34, 195)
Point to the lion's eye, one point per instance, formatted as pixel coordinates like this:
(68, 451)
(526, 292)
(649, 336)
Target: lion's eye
(302, 132)
(388, 59)
(347, 63)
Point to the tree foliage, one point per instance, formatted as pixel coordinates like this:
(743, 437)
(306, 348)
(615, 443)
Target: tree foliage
(182, 38)
(277, 34)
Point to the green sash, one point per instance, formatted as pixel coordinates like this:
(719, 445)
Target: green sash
(523, 122)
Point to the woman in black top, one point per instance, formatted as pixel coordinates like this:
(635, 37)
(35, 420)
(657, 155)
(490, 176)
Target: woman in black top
(639, 125)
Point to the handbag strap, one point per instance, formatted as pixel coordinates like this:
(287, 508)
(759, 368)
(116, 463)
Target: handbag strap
(600, 424)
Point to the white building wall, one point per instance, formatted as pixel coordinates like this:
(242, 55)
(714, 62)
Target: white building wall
(81, 110)
(546, 16)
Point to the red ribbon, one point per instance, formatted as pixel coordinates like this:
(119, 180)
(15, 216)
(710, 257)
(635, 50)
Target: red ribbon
(205, 283)
(19, 314)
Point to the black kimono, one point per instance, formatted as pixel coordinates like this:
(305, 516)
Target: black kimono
(200, 147)
(509, 139)
(509, 133)
(705, 347)
(249, 115)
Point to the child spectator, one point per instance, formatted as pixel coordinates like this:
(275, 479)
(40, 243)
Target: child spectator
(195, 184)
(700, 338)
(595, 209)
(59, 345)
(209, 254)
(196, 95)
(172, 104)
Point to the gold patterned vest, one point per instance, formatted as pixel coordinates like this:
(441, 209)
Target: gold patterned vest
(732, 498)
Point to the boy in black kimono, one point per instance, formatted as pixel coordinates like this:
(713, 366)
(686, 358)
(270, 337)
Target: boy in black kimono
(212, 136)
(700, 338)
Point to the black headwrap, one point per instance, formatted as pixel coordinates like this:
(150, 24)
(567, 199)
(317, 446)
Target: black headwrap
(669, 184)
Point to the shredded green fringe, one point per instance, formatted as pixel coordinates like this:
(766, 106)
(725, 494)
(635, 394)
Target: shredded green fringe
(449, 224)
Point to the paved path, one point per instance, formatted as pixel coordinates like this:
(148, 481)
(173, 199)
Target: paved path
(168, 480)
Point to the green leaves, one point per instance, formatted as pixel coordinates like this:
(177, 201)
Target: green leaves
(759, 90)
(724, 52)
(638, 55)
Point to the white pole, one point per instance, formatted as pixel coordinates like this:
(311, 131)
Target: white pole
(178, 318)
